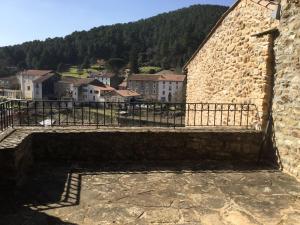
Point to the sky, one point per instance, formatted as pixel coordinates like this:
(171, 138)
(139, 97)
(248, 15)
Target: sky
(27, 20)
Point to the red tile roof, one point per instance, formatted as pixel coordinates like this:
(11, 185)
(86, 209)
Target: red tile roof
(127, 93)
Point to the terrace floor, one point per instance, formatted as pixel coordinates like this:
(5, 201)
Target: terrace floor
(153, 194)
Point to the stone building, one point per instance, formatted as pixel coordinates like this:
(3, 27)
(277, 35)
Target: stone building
(252, 55)
(38, 84)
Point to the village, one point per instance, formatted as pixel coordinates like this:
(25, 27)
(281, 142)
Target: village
(103, 86)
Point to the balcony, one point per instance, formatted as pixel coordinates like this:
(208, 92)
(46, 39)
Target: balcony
(64, 162)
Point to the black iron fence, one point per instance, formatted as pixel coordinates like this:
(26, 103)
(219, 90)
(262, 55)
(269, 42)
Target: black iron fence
(122, 114)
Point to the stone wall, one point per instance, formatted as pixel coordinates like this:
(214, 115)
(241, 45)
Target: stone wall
(23, 147)
(233, 65)
(147, 146)
(286, 102)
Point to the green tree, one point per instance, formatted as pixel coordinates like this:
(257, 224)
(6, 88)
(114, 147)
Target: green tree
(116, 64)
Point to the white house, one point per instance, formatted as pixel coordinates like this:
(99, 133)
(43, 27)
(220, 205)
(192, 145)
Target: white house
(158, 87)
(82, 89)
(105, 77)
(37, 84)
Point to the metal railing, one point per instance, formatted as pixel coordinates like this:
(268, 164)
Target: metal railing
(124, 114)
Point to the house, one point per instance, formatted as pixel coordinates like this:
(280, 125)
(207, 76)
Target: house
(121, 96)
(82, 89)
(158, 87)
(10, 82)
(10, 88)
(38, 84)
(104, 76)
(235, 63)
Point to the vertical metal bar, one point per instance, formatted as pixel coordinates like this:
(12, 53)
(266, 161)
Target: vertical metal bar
(248, 110)
(74, 113)
(195, 111)
(82, 113)
(174, 115)
(147, 113)
(43, 113)
(188, 119)
(168, 105)
(118, 119)
(35, 113)
(182, 112)
(43, 116)
(111, 114)
(208, 110)
(59, 112)
(140, 123)
(89, 113)
(97, 114)
(221, 123)
(234, 114)
(51, 114)
(27, 105)
(161, 110)
(133, 112)
(2, 124)
(19, 113)
(215, 114)
(67, 116)
(201, 112)
(228, 108)
(241, 118)
(104, 113)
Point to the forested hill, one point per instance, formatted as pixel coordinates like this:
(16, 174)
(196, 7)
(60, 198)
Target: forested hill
(166, 40)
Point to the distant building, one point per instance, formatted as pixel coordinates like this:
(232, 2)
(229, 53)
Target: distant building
(105, 77)
(82, 89)
(10, 88)
(10, 82)
(158, 87)
(38, 84)
(121, 96)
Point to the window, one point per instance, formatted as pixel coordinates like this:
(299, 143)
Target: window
(177, 82)
(37, 85)
(170, 82)
(91, 92)
(96, 92)
(163, 92)
(170, 88)
(164, 82)
(94, 98)
(28, 88)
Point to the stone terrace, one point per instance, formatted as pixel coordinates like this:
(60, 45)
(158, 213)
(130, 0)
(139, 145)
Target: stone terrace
(168, 193)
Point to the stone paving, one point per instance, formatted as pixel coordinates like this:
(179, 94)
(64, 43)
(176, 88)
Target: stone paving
(154, 194)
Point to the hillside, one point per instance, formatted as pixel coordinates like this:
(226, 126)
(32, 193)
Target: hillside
(166, 40)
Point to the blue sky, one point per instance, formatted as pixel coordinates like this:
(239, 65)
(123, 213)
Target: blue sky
(26, 20)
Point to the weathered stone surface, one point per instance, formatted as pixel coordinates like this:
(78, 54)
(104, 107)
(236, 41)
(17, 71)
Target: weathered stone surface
(286, 100)
(233, 66)
(160, 193)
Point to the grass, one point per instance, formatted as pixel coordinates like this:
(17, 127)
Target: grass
(146, 69)
(73, 71)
